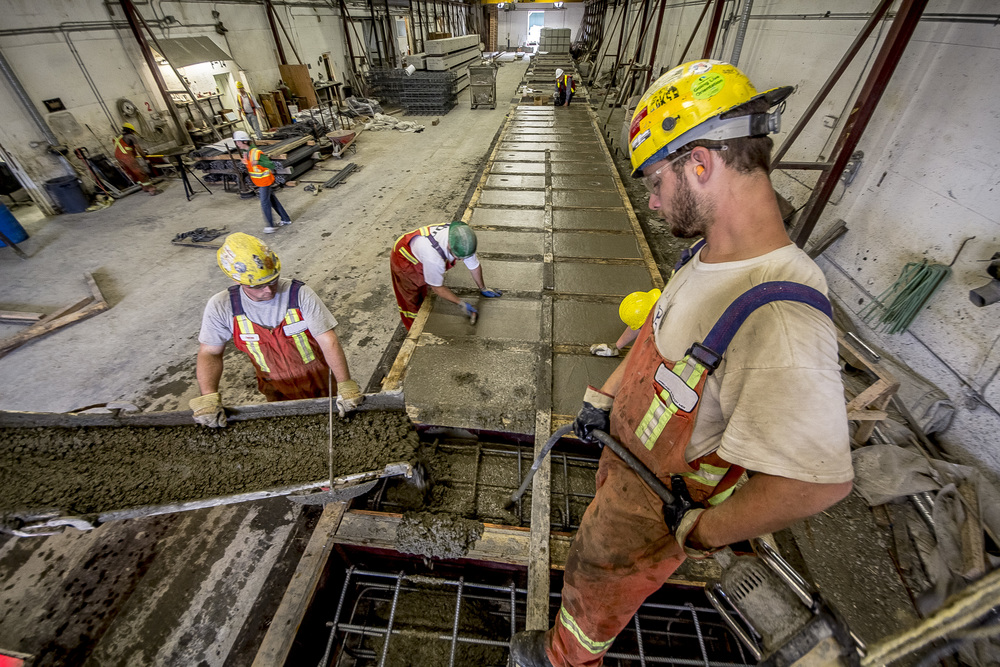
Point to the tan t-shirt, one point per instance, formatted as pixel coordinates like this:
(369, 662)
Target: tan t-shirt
(776, 403)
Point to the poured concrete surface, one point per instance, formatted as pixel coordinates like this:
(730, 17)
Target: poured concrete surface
(517, 168)
(505, 217)
(575, 372)
(591, 219)
(577, 322)
(586, 198)
(569, 244)
(499, 319)
(502, 275)
(510, 243)
(513, 198)
(601, 278)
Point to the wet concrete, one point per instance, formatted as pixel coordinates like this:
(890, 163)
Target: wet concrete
(98, 469)
(617, 219)
(589, 182)
(507, 217)
(517, 168)
(585, 322)
(601, 278)
(512, 198)
(574, 168)
(586, 199)
(500, 274)
(623, 246)
(572, 373)
(515, 182)
(511, 243)
(506, 154)
(499, 319)
(437, 535)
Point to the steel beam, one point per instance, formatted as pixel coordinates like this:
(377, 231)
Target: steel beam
(713, 29)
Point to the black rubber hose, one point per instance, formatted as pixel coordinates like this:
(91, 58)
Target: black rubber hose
(651, 480)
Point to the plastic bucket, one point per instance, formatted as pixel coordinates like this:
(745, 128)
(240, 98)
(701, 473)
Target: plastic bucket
(10, 227)
(67, 193)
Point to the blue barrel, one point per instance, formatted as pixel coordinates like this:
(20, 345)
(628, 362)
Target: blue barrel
(68, 194)
(10, 227)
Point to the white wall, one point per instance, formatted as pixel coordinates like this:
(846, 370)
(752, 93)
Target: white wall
(515, 23)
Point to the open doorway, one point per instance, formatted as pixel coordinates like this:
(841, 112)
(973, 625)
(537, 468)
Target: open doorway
(536, 21)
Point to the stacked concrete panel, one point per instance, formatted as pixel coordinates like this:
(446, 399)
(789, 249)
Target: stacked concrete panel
(554, 40)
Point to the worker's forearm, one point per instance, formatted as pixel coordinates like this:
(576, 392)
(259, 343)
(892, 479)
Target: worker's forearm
(614, 382)
(765, 504)
(446, 293)
(477, 275)
(334, 355)
(208, 370)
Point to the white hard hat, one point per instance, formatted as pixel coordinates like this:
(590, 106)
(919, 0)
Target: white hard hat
(559, 73)
(240, 135)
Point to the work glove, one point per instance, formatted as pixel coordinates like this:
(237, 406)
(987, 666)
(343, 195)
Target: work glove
(469, 308)
(490, 293)
(684, 530)
(603, 350)
(595, 414)
(208, 410)
(349, 396)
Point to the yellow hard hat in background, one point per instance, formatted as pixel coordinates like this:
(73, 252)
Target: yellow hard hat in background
(239, 84)
(687, 103)
(129, 126)
(247, 260)
(634, 308)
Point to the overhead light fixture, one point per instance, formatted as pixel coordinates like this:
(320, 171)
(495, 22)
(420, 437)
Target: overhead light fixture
(501, 5)
(559, 5)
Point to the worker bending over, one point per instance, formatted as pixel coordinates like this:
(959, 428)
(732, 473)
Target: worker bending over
(248, 108)
(565, 88)
(127, 151)
(261, 171)
(419, 260)
(699, 402)
(281, 324)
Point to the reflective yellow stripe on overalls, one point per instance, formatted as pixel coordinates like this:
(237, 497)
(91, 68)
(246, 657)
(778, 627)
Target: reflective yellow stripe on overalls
(300, 339)
(247, 335)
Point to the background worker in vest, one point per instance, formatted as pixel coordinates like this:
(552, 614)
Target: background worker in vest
(419, 260)
(248, 108)
(633, 311)
(774, 404)
(261, 172)
(127, 151)
(565, 88)
(279, 323)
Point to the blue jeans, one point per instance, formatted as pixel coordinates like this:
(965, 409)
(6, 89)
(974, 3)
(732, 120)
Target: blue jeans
(254, 123)
(267, 200)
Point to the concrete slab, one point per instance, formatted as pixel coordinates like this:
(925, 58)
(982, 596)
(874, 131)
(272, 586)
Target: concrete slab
(504, 275)
(596, 157)
(568, 140)
(615, 279)
(571, 373)
(507, 217)
(519, 182)
(591, 219)
(529, 145)
(569, 168)
(513, 198)
(470, 384)
(542, 128)
(585, 322)
(586, 199)
(517, 168)
(501, 318)
(520, 156)
(584, 182)
(513, 243)
(570, 244)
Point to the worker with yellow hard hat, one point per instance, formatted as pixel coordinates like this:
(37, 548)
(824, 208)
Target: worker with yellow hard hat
(127, 151)
(734, 370)
(248, 108)
(280, 324)
(633, 311)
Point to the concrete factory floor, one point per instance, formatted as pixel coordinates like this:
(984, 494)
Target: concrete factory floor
(557, 233)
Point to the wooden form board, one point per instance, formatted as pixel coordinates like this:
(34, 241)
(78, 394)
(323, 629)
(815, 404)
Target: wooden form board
(868, 407)
(298, 81)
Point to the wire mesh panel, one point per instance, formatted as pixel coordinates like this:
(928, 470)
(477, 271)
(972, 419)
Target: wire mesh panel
(393, 619)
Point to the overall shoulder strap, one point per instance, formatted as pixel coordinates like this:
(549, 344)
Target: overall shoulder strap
(293, 294)
(234, 300)
(688, 253)
(437, 246)
(710, 352)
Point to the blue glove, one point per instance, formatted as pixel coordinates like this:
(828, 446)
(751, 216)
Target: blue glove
(469, 308)
(490, 293)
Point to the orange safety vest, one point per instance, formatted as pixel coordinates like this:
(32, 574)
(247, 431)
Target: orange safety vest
(259, 174)
(122, 148)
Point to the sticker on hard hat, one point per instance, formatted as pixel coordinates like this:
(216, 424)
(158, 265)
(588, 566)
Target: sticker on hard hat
(295, 328)
(663, 96)
(707, 86)
(638, 140)
(249, 338)
(683, 396)
(633, 129)
(699, 67)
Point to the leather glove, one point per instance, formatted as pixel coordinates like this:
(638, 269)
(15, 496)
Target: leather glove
(468, 308)
(684, 530)
(490, 293)
(603, 350)
(208, 410)
(595, 414)
(349, 396)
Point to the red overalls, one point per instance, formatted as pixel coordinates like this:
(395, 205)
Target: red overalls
(288, 360)
(624, 551)
(125, 154)
(408, 273)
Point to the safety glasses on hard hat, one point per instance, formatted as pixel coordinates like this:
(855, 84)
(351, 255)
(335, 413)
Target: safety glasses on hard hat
(269, 284)
(652, 182)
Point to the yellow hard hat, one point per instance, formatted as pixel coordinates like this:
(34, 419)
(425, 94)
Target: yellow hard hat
(687, 103)
(239, 84)
(634, 308)
(129, 126)
(247, 260)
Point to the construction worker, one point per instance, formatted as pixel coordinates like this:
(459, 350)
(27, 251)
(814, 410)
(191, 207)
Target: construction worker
(565, 88)
(261, 172)
(419, 260)
(701, 397)
(633, 311)
(279, 323)
(127, 150)
(248, 108)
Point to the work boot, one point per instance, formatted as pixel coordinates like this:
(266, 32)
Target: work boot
(527, 648)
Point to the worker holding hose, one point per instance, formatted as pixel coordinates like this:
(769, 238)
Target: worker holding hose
(735, 369)
(281, 325)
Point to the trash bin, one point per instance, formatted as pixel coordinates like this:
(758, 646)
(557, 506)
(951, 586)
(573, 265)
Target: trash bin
(10, 227)
(67, 193)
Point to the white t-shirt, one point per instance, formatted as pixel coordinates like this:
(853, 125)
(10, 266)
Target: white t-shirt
(434, 269)
(217, 322)
(776, 403)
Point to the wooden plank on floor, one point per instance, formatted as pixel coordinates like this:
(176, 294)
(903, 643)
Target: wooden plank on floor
(287, 619)
(19, 317)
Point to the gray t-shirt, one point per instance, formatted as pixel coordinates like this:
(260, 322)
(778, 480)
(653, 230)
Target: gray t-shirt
(217, 322)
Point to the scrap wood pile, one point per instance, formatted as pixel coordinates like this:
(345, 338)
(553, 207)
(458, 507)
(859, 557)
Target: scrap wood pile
(293, 154)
